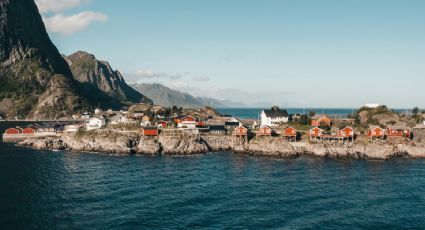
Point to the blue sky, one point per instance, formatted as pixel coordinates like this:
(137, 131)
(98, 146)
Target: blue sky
(303, 53)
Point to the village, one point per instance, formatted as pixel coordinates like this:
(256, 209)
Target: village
(275, 123)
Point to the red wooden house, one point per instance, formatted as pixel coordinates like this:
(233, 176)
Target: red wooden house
(346, 132)
(149, 131)
(201, 124)
(264, 131)
(376, 132)
(12, 131)
(289, 132)
(398, 132)
(28, 130)
(320, 120)
(240, 131)
(316, 132)
(187, 118)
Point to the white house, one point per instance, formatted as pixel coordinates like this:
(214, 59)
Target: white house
(118, 119)
(372, 105)
(145, 123)
(98, 111)
(274, 116)
(85, 116)
(95, 123)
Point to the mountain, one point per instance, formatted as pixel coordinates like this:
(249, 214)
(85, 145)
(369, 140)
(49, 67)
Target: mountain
(164, 96)
(88, 70)
(35, 80)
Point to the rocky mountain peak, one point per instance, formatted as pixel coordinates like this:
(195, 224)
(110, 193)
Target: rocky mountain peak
(35, 80)
(89, 70)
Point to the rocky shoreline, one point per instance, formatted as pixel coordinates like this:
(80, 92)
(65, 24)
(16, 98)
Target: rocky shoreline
(123, 143)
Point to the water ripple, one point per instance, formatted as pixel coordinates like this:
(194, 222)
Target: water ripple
(88, 191)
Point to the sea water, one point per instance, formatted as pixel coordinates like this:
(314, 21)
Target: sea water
(64, 190)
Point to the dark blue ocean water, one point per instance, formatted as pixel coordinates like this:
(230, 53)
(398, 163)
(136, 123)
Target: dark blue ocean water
(60, 190)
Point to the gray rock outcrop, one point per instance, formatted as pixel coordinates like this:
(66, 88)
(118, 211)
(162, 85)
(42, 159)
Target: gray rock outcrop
(118, 142)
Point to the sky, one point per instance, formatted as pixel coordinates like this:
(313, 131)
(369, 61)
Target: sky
(291, 53)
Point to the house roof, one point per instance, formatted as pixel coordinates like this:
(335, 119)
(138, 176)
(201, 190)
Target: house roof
(180, 116)
(231, 123)
(273, 113)
(373, 127)
(318, 116)
(217, 128)
(345, 127)
(149, 128)
(399, 127)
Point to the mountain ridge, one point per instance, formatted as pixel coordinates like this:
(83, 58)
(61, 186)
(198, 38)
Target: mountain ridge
(165, 96)
(35, 80)
(87, 69)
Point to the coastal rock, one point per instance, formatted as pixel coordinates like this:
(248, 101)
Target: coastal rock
(180, 146)
(217, 143)
(108, 142)
(121, 142)
(148, 146)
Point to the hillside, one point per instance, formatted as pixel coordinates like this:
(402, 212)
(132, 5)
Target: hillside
(87, 69)
(382, 116)
(164, 96)
(35, 80)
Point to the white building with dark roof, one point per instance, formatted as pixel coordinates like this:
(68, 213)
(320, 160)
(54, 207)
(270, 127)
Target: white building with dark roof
(274, 117)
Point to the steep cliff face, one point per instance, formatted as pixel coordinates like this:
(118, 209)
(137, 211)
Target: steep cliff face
(88, 70)
(34, 78)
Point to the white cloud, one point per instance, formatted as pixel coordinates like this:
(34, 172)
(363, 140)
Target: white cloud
(201, 78)
(58, 6)
(149, 75)
(67, 25)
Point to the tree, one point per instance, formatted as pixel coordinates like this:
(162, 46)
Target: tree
(312, 113)
(304, 119)
(415, 111)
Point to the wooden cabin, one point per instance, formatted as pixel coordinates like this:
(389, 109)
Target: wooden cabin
(181, 118)
(376, 132)
(320, 120)
(219, 130)
(186, 122)
(398, 132)
(149, 131)
(231, 125)
(265, 130)
(201, 124)
(240, 131)
(12, 131)
(29, 130)
(316, 132)
(346, 132)
(290, 133)
(18, 134)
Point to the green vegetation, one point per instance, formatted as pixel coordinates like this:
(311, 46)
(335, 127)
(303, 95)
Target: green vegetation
(370, 112)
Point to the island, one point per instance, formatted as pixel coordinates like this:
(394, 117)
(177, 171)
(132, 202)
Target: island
(146, 129)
